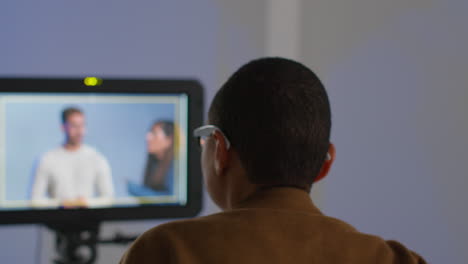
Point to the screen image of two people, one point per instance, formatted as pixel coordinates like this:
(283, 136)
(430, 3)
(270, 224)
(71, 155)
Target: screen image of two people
(74, 174)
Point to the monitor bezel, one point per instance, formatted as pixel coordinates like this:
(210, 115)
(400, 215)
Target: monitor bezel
(191, 87)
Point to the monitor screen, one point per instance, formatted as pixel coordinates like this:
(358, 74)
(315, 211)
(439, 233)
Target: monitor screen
(104, 150)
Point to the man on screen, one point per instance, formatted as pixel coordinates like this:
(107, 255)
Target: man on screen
(73, 173)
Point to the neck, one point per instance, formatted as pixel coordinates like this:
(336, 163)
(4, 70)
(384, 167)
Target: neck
(159, 156)
(238, 189)
(164, 155)
(71, 147)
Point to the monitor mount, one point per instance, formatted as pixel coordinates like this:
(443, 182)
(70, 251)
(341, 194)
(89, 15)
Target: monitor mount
(77, 243)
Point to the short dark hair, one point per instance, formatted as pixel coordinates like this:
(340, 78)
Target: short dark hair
(166, 126)
(276, 114)
(67, 112)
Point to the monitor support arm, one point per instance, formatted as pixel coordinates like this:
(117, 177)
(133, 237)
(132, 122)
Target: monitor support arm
(76, 243)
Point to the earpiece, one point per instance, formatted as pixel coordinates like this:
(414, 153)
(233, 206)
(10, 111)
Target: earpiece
(328, 156)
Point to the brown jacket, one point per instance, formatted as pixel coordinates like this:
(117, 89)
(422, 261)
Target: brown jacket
(279, 225)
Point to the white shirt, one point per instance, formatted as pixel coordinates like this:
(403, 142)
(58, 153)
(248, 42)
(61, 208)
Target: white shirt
(64, 175)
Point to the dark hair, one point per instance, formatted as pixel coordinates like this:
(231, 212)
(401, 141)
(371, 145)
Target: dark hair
(277, 116)
(67, 112)
(156, 169)
(166, 126)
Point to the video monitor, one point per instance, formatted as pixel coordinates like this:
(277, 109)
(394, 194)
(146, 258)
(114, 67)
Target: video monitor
(98, 149)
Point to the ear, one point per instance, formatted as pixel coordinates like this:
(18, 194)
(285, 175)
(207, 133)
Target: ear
(221, 155)
(327, 163)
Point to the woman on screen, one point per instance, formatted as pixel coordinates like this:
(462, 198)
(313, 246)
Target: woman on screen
(160, 147)
(159, 169)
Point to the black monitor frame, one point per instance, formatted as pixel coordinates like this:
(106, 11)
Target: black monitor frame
(190, 87)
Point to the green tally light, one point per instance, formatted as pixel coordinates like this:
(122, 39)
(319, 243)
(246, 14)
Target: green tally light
(92, 81)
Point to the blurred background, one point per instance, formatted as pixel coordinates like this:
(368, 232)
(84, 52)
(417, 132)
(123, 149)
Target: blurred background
(396, 72)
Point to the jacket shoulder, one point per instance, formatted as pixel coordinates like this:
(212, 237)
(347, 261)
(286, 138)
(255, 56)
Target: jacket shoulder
(166, 242)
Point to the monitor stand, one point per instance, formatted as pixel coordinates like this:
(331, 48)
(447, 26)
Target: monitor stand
(76, 243)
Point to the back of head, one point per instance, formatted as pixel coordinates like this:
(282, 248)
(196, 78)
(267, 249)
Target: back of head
(276, 114)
